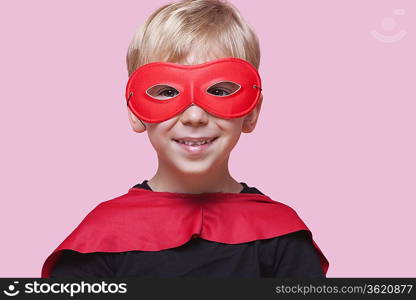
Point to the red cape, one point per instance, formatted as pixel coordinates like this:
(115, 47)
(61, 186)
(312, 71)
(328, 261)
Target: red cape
(151, 221)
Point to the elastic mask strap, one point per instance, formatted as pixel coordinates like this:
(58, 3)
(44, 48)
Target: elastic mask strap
(142, 123)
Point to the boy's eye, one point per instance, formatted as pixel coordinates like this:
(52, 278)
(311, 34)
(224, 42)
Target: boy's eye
(169, 93)
(162, 92)
(219, 92)
(223, 88)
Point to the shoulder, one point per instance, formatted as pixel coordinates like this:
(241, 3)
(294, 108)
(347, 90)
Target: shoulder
(293, 255)
(73, 264)
(298, 238)
(111, 208)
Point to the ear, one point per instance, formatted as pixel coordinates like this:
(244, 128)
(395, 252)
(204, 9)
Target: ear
(135, 123)
(250, 120)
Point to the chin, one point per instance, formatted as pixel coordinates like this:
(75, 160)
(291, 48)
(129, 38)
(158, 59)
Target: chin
(193, 167)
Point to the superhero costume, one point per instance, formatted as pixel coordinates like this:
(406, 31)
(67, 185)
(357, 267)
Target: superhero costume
(114, 232)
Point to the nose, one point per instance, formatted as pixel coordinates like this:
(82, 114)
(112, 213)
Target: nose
(194, 115)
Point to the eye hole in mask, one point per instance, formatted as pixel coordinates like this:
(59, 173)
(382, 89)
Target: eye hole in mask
(162, 92)
(223, 88)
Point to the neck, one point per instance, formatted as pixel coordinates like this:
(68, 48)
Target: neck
(214, 180)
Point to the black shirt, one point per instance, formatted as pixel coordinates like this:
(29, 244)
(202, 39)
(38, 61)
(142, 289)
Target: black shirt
(290, 255)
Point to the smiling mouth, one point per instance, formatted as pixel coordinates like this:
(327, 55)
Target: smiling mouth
(193, 143)
(195, 148)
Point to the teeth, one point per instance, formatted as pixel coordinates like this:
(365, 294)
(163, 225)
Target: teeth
(191, 143)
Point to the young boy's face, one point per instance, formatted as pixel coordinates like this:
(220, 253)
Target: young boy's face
(195, 122)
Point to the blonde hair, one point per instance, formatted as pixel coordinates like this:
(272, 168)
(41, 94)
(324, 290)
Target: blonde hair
(192, 32)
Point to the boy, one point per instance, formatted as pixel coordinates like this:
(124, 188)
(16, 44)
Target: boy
(193, 87)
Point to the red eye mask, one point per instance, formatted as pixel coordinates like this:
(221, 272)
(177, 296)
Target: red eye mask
(227, 88)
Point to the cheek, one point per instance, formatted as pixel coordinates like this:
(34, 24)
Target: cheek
(232, 131)
(158, 135)
(231, 127)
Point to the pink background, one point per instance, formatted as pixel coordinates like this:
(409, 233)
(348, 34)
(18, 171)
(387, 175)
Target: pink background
(335, 138)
